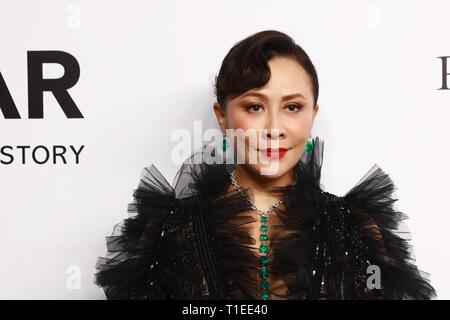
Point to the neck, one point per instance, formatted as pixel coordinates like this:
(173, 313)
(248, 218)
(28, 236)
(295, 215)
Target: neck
(260, 186)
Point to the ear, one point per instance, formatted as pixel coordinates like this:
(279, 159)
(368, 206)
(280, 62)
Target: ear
(316, 109)
(221, 116)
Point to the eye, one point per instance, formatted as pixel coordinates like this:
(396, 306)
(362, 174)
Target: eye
(253, 108)
(293, 107)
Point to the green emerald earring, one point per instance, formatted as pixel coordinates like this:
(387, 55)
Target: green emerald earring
(309, 145)
(225, 144)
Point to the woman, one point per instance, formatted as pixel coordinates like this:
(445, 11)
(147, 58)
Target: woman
(261, 229)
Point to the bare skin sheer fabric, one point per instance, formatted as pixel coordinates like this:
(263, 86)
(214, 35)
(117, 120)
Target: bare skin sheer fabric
(194, 241)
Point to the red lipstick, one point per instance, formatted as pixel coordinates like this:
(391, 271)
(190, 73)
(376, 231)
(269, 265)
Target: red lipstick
(274, 153)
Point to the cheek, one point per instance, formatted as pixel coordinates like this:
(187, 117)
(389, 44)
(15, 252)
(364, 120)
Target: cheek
(299, 128)
(301, 122)
(298, 132)
(247, 126)
(241, 120)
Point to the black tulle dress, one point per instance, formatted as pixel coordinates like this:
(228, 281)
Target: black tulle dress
(193, 240)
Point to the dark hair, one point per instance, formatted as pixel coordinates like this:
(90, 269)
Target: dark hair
(246, 65)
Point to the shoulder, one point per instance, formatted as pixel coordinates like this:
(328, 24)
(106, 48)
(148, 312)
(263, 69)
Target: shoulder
(368, 224)
(142, 251)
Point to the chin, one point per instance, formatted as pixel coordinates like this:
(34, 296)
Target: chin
(273, 170)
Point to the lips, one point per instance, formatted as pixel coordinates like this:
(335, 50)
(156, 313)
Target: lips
(274, 153)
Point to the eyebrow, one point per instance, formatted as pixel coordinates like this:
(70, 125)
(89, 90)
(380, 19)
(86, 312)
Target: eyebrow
(263, 96)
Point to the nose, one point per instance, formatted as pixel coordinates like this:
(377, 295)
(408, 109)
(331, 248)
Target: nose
(274, 128)
(275, 134)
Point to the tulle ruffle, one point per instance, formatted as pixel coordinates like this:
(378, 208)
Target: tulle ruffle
(143, 246)
(194, 240)
(372, 205)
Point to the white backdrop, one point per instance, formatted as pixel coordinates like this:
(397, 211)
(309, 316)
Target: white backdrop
(147, 68)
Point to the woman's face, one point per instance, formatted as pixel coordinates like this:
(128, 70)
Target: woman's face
(286, 104)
